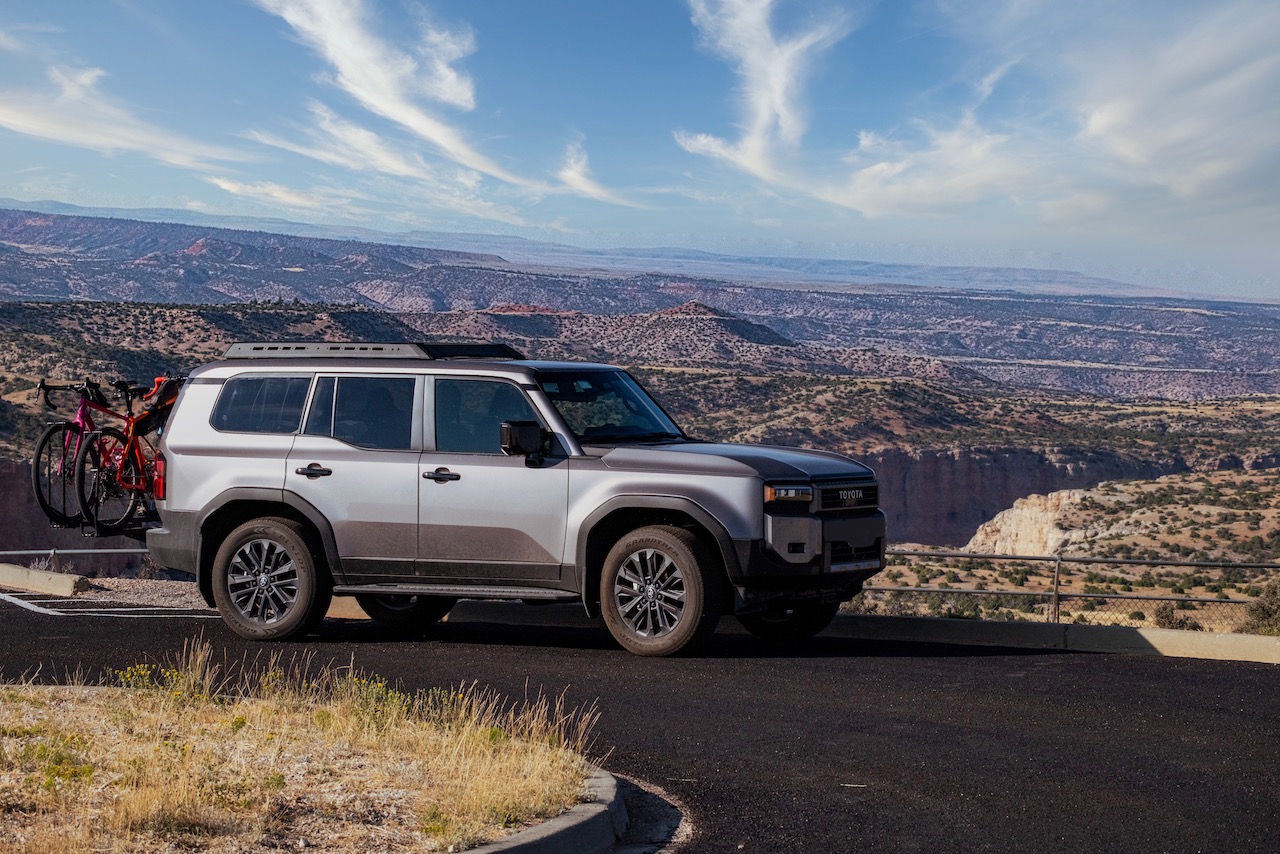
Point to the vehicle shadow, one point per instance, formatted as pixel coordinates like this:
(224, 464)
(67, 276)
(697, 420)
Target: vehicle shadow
(568, 627)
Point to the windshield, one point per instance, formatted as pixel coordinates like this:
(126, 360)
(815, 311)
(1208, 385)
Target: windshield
(607, 406)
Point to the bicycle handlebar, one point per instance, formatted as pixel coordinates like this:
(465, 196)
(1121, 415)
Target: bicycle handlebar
(86, 388)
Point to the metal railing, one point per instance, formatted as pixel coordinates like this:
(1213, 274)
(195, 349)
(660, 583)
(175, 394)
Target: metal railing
(1054, 604)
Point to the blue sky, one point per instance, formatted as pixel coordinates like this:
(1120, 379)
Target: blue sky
(1133, 138)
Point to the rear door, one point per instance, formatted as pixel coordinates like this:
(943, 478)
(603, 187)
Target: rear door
(485, 517)
(356, 461)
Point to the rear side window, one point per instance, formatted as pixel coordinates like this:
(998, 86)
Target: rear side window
(261, 404)
(371, 412)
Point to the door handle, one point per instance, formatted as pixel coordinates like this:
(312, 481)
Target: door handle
(442, 475)
(313, 471)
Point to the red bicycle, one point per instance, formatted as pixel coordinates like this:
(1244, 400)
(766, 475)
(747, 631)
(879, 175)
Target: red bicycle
(102, 476)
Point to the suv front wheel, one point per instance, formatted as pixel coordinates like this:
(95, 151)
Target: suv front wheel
(267, 582)
(660, 590)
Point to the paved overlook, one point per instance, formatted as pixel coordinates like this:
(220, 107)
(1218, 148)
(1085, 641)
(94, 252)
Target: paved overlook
(844, 745)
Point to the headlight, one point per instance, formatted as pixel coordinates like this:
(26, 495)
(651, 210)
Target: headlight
(788, 493)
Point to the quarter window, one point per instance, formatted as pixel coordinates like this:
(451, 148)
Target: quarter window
(260, 404)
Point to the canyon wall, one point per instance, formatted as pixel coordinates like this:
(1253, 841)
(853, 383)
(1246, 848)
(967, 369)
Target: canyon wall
(940, 498)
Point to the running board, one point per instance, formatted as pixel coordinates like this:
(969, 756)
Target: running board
(458, 591)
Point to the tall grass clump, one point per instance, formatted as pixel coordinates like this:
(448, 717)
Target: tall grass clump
(186, 755)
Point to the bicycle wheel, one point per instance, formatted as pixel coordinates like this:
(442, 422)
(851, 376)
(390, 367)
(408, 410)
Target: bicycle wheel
(53, 473)
(101, 467)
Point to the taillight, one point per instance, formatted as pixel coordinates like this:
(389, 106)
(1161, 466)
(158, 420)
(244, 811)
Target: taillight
(157, 477)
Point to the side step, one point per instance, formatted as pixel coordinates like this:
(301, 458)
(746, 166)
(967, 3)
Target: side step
(459, 591)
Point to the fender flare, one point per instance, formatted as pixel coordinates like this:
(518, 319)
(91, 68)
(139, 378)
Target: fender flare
(589, 587)
(262, 495)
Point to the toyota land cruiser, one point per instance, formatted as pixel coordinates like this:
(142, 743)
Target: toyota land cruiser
(413, 475)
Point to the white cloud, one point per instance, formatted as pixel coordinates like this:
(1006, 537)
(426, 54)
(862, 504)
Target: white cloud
(1193, 113)
(338, 142)
(576, 174)
(386, 81)
(950, 170)
(270, 193)
(771, 71)
(76, 112)
(9, 43)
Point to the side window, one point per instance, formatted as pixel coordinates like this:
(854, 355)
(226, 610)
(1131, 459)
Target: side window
(260, 404)
(370, 412)
(468, 413)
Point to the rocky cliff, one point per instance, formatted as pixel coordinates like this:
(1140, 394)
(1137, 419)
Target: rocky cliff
(942, 497)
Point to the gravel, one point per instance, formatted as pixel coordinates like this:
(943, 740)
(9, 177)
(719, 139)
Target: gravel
(139, 591)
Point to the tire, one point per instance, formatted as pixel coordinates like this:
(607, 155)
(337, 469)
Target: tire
(791, 623)
(101, 465)
(660, 591)
(53, 474)
(268, 583)
(406, 613)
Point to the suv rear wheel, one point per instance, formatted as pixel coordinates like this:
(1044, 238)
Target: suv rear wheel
(267, 583)
(660, 590)
(405, 613)
(790, 623)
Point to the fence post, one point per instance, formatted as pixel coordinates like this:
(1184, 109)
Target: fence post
(1057, 578)
(54, 564)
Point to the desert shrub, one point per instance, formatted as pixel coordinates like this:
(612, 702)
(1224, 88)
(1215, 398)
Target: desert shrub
(1264, 612)
(1166, 619)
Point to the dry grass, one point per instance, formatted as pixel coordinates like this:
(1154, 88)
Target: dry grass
(176, 758)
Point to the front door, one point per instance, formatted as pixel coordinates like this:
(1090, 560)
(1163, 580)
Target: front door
(485, 517)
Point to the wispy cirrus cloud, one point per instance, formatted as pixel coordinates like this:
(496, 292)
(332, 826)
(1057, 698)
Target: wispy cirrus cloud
(1154, 114)
(76, 111)
(399, 86)
(1197, 114)
(771, 70)
(576, 175)
(333, 140)
(271, 193)
(389, 82)
(338, 142)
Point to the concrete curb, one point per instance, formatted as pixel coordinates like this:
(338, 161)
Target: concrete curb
(39, 581)
(1116, 639)
(589, 828)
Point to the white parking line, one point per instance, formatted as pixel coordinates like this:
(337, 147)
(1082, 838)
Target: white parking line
(83, 608)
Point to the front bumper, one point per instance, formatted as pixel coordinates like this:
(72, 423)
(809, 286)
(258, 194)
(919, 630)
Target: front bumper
(851, 551)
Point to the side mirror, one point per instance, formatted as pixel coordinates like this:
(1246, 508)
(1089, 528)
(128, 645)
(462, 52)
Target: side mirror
(523, 439)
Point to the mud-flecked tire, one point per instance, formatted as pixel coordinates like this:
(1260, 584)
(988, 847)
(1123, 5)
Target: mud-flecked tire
(790, 624)
(406, 614)
(268, 583)
(660, 591)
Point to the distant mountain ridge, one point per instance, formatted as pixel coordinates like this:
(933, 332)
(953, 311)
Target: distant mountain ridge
(1111, 345)
(777, 270)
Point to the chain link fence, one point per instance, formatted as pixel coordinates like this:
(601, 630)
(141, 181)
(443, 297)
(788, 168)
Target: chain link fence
(1187, 595)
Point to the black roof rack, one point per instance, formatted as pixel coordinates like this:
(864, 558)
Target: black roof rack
(367, 350)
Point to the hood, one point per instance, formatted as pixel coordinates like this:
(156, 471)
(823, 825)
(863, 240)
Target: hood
(768, 461)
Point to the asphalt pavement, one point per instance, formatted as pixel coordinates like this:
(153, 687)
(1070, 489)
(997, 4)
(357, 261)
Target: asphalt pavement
(838, 745)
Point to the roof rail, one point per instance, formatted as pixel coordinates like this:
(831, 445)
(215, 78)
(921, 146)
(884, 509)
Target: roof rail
(368, 350)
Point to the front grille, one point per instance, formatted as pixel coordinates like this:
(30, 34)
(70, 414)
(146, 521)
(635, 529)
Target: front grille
(842, 552)
(849, 496)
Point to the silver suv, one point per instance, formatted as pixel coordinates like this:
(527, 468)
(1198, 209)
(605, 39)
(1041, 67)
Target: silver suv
(414, 475)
